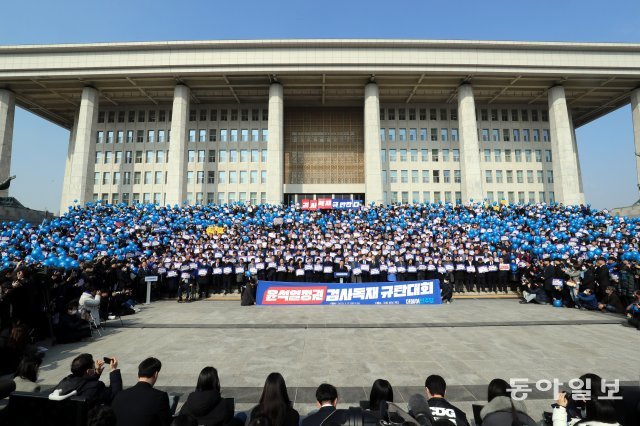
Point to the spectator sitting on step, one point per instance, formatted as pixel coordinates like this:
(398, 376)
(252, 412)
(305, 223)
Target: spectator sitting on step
(534, 293)
(435, 388)
(142, 404)
(381, 392)
(633, 311)
(587, 300)
(206, 404)
(275, 403)
(27, 373)
(327, 400)
(502, 409)
(611, 302)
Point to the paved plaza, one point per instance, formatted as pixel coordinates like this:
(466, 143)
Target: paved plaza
(468, 342)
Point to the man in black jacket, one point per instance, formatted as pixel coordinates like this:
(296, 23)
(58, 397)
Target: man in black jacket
(436, 387)
(85, 380)
(602, 277)
(142, 405)
(611, 302)
(327, 397)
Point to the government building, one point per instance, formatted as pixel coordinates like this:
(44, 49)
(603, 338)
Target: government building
(272, 121)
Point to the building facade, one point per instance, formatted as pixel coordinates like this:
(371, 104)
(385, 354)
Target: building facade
(382, 121)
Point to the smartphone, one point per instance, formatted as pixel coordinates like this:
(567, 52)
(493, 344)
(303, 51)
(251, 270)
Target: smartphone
(106, 360)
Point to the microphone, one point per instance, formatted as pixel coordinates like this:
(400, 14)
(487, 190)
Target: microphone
(419, 410)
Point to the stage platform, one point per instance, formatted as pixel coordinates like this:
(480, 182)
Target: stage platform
(468, 342)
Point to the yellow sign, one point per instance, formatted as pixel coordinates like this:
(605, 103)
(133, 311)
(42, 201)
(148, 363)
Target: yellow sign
(215, 230)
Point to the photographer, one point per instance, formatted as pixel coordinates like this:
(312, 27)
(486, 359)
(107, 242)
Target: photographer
(85, 380)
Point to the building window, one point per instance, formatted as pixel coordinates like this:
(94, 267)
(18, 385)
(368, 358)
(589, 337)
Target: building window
(434, 155)
(545, 135)
(509, 176)
(436, 176)
(100, 137)
(201, 155)
(498, 176)
(549, 176)
(488, 176)
(212, 156)
(404, 176)
(454, 135)
(485, 135)
(423, 134)
(487, 155)
(391, 114)
(497, 155)
(434, 134)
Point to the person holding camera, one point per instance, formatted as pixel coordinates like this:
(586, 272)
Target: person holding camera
(85, 380)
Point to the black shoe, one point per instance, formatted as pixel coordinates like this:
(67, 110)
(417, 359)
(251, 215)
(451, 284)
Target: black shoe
(523, 302)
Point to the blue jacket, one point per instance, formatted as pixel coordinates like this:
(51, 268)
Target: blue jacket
(588, 299)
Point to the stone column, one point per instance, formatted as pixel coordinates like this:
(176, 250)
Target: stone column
(574, 140)
(65, 200)
(372, 162)
(7, 114)
(176, 179)
(275, 145)
(81, 152)
(469, 146)
(566, 172)
(635, 115)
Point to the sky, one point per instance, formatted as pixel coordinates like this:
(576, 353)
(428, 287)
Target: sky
(39, 148)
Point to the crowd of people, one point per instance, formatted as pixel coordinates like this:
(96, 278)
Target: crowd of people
(592, 402)
(63, 276)
(567, 255)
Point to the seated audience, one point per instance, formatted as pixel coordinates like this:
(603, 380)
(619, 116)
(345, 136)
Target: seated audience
(85, 380)
(501, 410)
(611, 302)
(206, 404)
(27, 373)
(436, 387)
(598, 412)
(381, 391)
(142, 405)
(275, 403)
(327, 400)
(587, 300)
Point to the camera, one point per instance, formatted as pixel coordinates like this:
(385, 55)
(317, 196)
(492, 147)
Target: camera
(106, 360)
